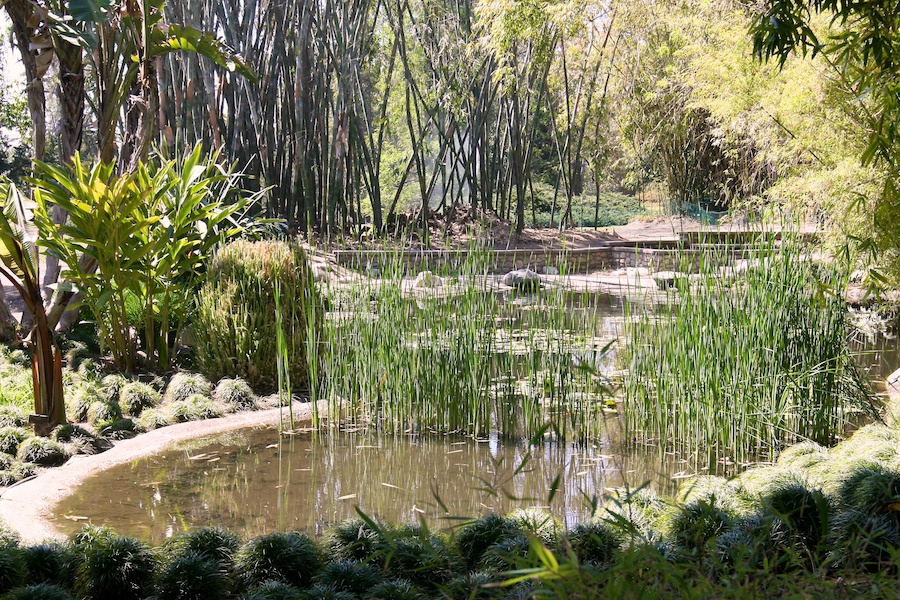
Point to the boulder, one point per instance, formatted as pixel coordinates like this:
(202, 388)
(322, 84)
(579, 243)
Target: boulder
(427, 279)
(893, 384)
(549, 270)
(522, 279)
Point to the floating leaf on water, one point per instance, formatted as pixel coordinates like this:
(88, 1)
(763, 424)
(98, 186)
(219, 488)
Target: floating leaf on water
(216, 459)
(391, 486)
(272, 446)
(76, 518)
(347, 497)
(198, 456)
(455, 451)
(151, 483)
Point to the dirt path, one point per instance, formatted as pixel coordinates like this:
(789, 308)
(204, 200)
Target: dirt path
(25, 506)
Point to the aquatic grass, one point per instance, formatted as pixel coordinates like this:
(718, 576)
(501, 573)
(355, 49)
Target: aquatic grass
(468, 357)
(741, 366)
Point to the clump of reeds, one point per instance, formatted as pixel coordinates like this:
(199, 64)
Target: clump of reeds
(236, 326)
(740, 367)
(463, 357)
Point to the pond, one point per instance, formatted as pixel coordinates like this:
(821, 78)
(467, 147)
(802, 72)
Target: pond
(255, 481)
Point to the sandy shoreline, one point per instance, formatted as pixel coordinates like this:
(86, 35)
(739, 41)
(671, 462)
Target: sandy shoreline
(25, 507)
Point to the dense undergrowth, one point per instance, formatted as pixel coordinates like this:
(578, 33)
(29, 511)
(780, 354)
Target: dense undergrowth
(102, 407)
(820, 523)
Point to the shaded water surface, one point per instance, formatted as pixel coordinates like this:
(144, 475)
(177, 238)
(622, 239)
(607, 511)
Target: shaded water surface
(254, 482)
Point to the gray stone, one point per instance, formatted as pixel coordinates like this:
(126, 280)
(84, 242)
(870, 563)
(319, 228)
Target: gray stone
(893, 384)
(550, 270)
(522, 279)
(667, 280)
(427, 279)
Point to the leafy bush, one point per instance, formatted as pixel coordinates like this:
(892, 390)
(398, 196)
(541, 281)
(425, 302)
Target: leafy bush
(16, 472)
(49, 563)
(194, 408)
(286, 557)
(476, 537)
(42, 451)
(192, 576)
(236, 325)
(349, 576)
(77, 439)
(12, 570)
(154, 418)
(112, 566)
(595, 541)
(111, 385)
(235, 393)
(103, 413)
(11, 437)
(135, 396)
(184, 385)
(117, 429)
(40, 591)
(12, 416)
(214, 543)
(114, 217)
(79, 401)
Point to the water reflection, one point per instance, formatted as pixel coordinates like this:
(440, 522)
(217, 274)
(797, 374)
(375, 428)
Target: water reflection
(253, 482)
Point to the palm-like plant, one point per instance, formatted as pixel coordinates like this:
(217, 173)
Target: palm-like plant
(19, 258)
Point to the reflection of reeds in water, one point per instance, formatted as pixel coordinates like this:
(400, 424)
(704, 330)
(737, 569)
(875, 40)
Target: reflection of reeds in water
(745, 361)
(258, 482)
(463, 357)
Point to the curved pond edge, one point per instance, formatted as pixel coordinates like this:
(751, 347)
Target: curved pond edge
(25, 506)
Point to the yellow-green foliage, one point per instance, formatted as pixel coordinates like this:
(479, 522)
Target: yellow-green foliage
(236, 324)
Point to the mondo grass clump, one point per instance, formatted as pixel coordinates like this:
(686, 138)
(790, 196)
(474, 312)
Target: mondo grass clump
(744, 365)
(468, 356)
(183, 385)
(235, 394)
(194, 408)
(291, 558)
(256, 293)
(135, 397)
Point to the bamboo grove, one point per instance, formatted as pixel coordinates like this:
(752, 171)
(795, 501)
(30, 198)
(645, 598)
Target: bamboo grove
(356, 112)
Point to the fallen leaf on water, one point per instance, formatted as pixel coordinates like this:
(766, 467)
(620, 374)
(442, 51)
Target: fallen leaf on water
(150, 483)
(347, 497)
(272, 446)
(214, 459)
(76, 518)
(391, 486)
(279, 486)
(198, 456)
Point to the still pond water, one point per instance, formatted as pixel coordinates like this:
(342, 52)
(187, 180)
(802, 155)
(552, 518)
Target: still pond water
(254, 481)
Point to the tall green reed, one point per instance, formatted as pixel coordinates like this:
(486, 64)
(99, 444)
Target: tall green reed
(743, 362)
(463, 357)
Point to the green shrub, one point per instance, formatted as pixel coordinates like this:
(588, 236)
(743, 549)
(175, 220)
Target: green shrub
(90, 369)
(349, 576)
(273, 590)
(12, 570)
(16, 472)
(236, 326)
(235, 393)
(80, 400)
(474, 586)
(112, 566)
(397, 589)
(287, 557)
(50, 563)
(154, 418)
(539, 523)
(111, 385)
(76, 353)
(12, 416)
(693, 524)
(195, 408)
(596, 541)
(103, 413)
(40, 591)
(803, 510)
(872, 489)
(117, 429)
(418, 555)
(353, 539)
(506, 554)
(192, 576)
(42, 451)
(475, 538)
(183, 385)
(135, 396)
(77, 439)
(6, 462)
(215, 543)
(11, 437)
(864, 540)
